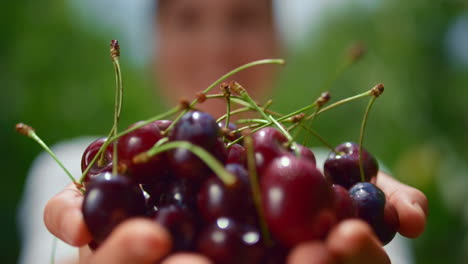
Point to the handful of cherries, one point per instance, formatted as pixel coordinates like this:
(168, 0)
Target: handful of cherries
(236, 193)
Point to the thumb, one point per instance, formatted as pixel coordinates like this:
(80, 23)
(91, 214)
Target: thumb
(133, 242)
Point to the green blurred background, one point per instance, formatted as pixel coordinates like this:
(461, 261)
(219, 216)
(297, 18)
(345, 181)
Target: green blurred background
(58, 77)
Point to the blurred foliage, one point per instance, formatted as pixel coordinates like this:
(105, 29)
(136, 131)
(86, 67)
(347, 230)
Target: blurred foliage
(59, 79)
(420, 120)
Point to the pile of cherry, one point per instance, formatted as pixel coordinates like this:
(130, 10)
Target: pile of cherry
(256, 218)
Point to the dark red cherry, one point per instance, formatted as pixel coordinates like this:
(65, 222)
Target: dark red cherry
(180, 192)
(387, 227)
(163, 124)
(343, 168)
(136, 142)
(344, 205)
(198, 128)
(109, 200)
(187, 165)
(304, 152)
(369, 201)
(215, 199)
(268, 144)
(181, 223)
(227, 242)
(236, 154)
(297, 200)
(88, 156)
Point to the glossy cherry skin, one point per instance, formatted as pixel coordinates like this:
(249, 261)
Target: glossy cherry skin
(180, 192)
(163, 124)
(181, 223)
(236, 154)
(88, 156)
(268, 144)
(304, 152)
(109, 200)
(369, 201)
(198, 128)
(226, 241)
(387, 227)
(297, 200)
(344, 205)
(136, 142)
(216, 200)
(343, 168)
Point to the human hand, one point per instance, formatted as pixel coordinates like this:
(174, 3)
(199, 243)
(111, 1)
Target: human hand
(143, 241)
(353, 241)
(134, 241)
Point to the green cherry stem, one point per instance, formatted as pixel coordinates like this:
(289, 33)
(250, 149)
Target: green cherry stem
(226, 177)
(343, 101)
(376, 91)
(115, 54)
(256, 193)
(317, 135)
(131, 129)
(222, 78)
(28, 131)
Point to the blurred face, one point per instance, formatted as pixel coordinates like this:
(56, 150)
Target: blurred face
(201, 40)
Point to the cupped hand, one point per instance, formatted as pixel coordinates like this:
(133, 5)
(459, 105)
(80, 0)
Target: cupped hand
(353, 241)
(143, 241)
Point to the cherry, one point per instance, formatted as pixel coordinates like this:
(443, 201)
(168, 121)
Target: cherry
(229, 242)
(387, 226)
(344, 205)
(181, 223)
(97, 168)
(342, 165)
(268, 144)
(236, 154)
(304, 152)
(109, 200)
(180, 192)
(369, 201)
(297, 200)
(215, 199)
(138, 141)
(163, 124)
(197, 127)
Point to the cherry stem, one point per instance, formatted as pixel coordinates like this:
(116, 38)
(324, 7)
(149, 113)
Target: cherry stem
(343, 101)
(226, 177)
(283, 130)
(376, 91)
(227, 93)
(269, 118)
(115, 54)
(253, 177)
(222, 78)
(30, 133)
(131, 129)
(317, 135)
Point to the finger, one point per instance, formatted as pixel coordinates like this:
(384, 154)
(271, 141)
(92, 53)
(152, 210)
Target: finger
(84, 254)
(64, 219)
(410, 203)
(353, 241)
(311, 253)
(133, 242)
(186, 258)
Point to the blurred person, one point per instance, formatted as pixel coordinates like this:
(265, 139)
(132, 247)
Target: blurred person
(198, 41)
